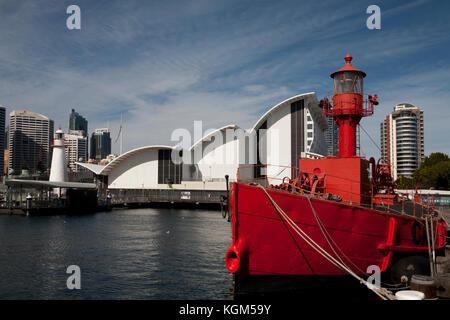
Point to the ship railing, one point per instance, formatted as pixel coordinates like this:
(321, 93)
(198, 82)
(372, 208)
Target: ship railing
(421, 207)
(349, 107)
(268, 176)
(37, 203)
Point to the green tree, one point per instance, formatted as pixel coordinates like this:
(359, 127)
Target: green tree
(405, 183)
(433, 159)
(434, 172)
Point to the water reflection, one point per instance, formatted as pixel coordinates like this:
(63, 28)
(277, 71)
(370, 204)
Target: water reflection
(123, 254)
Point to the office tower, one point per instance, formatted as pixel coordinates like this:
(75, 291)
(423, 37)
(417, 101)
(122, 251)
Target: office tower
(332, 137)
(30, 135)
(402, 139)
(5, 162)
(78, 122)
(2, 140)
(100, 144)
(77, 140)
(76, 148)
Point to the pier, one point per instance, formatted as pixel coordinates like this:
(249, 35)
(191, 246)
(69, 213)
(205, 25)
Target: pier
(35, 197)
(147, 197)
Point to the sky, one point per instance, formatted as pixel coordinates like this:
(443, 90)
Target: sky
(161, 65)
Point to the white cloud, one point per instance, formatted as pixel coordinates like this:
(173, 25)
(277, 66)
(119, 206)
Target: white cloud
(165, 64)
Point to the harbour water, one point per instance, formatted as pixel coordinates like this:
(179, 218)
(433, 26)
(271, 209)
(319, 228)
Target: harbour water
(151, 253)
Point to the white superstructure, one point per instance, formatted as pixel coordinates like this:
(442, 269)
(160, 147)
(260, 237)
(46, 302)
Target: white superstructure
(291, 129)
(58, 169)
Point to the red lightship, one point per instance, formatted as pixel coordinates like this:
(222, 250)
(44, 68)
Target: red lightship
(331, 210)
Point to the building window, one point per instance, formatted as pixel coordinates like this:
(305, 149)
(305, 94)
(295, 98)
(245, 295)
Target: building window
(297, 131)
(261, 150)
(168, 172)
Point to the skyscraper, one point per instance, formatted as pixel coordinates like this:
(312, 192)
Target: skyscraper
(100, 144)
(332, 137)
(402, 139)
(76, 148)
(30, 135)
(2, 139)
(78, 122)
(77, 140)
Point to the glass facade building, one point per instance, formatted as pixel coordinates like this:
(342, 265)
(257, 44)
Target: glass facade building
(332, 137)
(78, 122)
(100, 144)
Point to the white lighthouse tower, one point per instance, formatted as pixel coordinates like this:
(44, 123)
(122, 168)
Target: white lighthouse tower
(58, 170)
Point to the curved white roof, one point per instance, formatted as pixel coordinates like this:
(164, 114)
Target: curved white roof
(208, 136)
(279, 105)
(103, 170)
(95, 168)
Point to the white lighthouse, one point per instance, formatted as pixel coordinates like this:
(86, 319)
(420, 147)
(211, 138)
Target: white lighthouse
(58, 170)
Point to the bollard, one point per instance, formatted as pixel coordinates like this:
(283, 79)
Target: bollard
(108, 201)
(425, 284)
(28, 204)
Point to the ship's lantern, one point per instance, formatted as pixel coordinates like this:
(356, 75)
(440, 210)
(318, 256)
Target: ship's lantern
(348, 79)
(348, 82)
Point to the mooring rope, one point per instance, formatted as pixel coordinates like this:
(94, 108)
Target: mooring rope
(381, 292)
(327, 237)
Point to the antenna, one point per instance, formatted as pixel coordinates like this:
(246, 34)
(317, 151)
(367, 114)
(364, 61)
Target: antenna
(120, 134)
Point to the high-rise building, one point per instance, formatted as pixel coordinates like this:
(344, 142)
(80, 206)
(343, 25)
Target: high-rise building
(402, 139)
(76, 148)
(78, 122)
(332, 137)
(5, 162)
(2, 139)
(100, 144)
(77, 140)
(30, 135)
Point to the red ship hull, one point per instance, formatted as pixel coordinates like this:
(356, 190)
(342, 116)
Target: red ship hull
(329, 217)
(263, 243)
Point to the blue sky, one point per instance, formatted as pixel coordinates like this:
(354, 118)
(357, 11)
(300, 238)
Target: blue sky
(164, 64)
